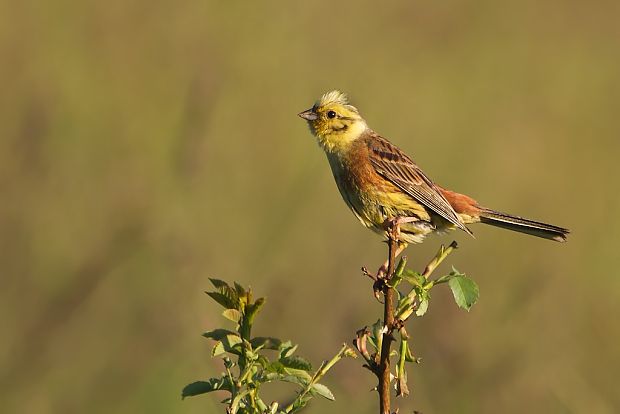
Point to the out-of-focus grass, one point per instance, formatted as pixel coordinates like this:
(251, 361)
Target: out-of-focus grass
(147, 146)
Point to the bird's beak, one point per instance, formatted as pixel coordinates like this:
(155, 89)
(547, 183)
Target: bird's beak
(308, 115)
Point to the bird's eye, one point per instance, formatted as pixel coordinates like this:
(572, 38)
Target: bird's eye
(331, 114)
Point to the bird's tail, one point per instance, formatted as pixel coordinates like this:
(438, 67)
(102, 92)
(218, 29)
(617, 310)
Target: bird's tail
(514, 223)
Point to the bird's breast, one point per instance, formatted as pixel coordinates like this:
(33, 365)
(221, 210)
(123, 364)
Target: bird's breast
(371, 198)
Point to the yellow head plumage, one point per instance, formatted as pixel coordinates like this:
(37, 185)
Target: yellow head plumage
(334, 122)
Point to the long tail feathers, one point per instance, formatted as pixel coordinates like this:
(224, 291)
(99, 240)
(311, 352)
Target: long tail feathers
(514, 223)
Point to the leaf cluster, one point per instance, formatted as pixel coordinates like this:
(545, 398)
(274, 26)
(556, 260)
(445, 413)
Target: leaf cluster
(413, 297)
(247, 363)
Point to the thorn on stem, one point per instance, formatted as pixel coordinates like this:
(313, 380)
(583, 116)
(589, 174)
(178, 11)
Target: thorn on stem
(365, 272)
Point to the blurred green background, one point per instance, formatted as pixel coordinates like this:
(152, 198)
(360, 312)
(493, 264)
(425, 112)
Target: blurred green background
(147, 146)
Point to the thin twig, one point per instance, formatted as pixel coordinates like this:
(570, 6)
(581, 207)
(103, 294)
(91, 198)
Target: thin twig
(345, 351)
(439, 257)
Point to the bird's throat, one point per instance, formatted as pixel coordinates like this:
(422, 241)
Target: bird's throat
(340, 140)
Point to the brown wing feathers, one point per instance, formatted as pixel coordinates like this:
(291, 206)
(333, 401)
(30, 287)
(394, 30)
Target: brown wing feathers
(395, 166)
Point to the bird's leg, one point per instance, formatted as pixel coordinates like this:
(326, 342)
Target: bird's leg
(393, 233)
(392, 226)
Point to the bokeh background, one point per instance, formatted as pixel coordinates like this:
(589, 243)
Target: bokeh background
(146, 146)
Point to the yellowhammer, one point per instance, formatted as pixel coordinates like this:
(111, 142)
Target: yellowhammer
(381, 184)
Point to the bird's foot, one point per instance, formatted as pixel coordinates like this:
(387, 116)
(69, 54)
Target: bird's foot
(392, 226)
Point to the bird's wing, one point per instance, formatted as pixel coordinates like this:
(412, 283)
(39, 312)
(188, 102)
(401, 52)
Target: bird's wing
(395, 166)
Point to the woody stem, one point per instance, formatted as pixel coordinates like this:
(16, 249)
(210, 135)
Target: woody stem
(388, 320)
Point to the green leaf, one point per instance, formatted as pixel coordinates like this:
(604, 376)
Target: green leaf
(202, 387)
(414, 278)
(223, 300)
(262, 361)
(300, 380)
(240, 290)
(376, 339)
(287, 349)
(232, 315)
(231, 340)
(265, 342)
(218, 334)
(275, 367)
(218, 349)
(229, 343)
(218, 284)
(323, 391)
(422, 307)
(225, 295)
(296, 362)
(302, 376)
(286, 344)
(276, 372)
(465, 291)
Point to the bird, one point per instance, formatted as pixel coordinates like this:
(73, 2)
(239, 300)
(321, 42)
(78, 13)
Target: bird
(383, 186)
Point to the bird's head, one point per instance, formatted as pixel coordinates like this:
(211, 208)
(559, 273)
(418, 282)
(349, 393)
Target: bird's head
(334, 122)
